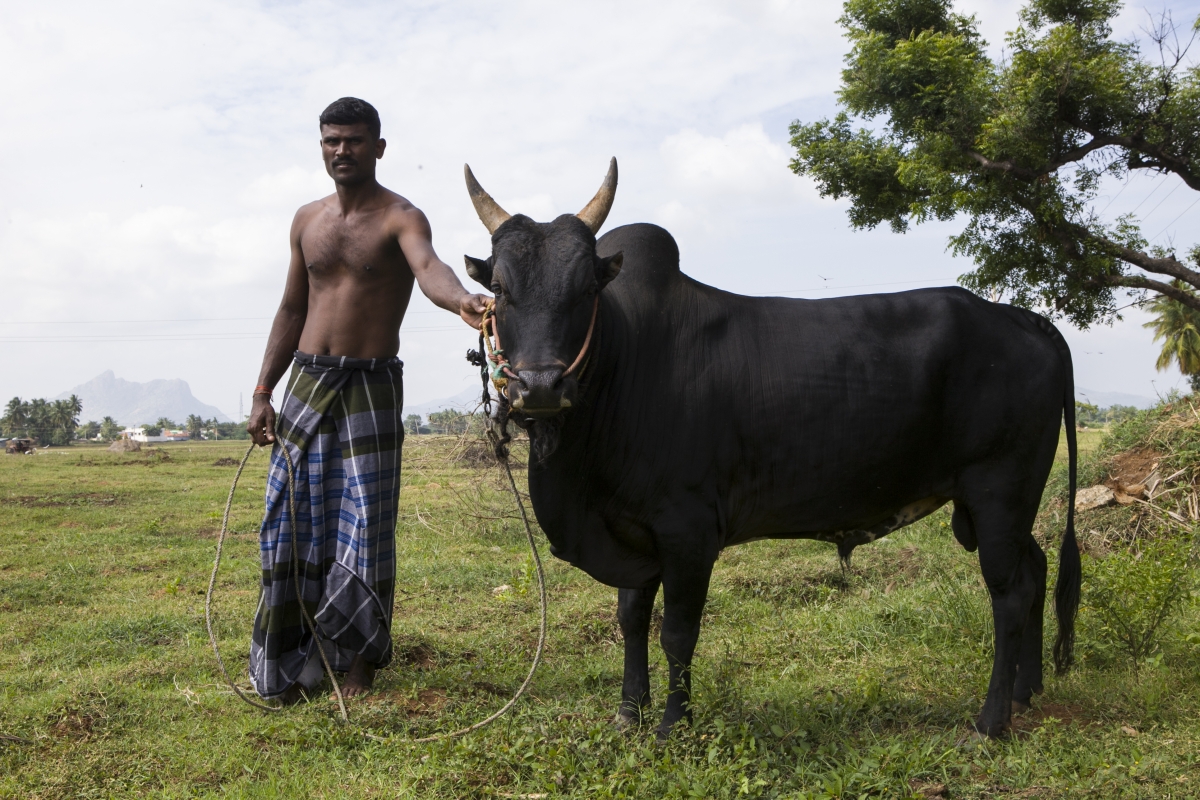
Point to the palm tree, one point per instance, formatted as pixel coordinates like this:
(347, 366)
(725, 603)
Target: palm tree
(194, 424)
(1178, 327)
(16, 416)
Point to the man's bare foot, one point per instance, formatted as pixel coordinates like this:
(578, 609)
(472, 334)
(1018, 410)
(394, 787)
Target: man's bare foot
(293, 695)
(360, 678)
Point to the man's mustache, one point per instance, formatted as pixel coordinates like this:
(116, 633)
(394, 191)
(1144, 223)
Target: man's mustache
(339, 161)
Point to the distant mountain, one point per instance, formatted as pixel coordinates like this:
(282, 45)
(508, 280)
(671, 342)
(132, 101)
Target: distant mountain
(465, 401)
(131, 403)
(1106, 399)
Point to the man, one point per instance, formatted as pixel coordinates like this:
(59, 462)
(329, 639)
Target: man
(355, 255)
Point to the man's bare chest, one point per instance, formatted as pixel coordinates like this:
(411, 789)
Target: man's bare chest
(363, 252)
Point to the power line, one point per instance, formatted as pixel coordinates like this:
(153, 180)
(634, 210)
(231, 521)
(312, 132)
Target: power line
(1160, 202)
(141, 321)
(1161, 183)
(1172, 222)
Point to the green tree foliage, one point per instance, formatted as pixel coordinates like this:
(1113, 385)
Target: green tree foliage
(1017, 147)
(47, 421)
(152, 430)
(1088, 415)
(195, 426)
(414, 425)
(110, 429)
(88, 430)
(166, 424)
(1178, 327)
(448, 421)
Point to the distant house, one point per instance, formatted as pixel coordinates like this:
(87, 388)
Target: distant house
(139, 435)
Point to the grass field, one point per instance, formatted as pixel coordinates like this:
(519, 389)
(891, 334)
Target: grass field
(808, 683)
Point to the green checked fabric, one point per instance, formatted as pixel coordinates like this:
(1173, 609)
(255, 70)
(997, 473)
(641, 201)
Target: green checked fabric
(341, 422)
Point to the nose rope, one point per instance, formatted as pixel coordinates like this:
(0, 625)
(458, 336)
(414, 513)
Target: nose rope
(501, 368)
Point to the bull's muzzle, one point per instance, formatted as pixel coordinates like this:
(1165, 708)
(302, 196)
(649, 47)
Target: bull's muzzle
(541, 392)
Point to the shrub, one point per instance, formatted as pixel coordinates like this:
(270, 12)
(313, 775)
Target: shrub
(1133, 595)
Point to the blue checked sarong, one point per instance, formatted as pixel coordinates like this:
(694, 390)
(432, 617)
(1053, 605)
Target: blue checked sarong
(340, 419)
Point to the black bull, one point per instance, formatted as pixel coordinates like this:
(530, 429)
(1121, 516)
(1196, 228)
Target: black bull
(703, 419)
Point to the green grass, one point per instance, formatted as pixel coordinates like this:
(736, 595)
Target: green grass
(808, 683)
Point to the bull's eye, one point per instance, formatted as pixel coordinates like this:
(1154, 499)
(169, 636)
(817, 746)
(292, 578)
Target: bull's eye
(497, 289)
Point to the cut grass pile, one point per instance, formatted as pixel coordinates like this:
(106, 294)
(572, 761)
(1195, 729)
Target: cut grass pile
(809, 682)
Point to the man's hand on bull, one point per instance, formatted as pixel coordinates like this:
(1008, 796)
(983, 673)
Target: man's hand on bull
(471, 308)
(261, 424)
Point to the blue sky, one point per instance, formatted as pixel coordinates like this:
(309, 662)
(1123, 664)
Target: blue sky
(154, 154)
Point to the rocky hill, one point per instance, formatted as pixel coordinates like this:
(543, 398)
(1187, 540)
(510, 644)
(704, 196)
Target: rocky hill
(131, 403)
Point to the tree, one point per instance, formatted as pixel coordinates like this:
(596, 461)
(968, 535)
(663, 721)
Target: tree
(1178, 327)
(195, 425)
(1018, 147)
(64, 419)
(16, 417)
(412, 423)
(88, 430)
(448, 421)
(110, 429)
(152, 430)
(166, 424)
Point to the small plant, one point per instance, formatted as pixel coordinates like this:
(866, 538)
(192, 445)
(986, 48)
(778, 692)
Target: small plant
(1134, 595)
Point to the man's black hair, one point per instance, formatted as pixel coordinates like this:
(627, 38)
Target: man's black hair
(351, 111)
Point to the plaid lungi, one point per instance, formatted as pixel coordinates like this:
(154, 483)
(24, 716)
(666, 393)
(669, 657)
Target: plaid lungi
(340, 419)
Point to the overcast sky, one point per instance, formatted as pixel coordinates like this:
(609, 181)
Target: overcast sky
(153, 155)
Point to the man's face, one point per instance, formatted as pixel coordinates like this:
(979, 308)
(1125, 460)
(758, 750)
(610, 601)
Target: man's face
(350, 152)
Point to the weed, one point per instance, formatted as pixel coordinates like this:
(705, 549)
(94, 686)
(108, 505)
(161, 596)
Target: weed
(1134, 595)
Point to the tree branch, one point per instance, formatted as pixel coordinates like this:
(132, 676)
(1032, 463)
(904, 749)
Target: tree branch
(1026, 173)
(1162, 158)
(1142, 282)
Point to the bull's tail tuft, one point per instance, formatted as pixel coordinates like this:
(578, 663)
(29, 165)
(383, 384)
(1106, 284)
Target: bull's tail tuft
(1070, 570)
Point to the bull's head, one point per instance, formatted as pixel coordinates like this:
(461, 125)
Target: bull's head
(545, 276)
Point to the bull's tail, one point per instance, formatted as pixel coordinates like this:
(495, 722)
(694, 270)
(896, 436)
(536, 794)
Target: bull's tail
(1070, 570)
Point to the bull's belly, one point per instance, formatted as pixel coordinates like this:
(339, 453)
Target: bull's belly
(848, 536)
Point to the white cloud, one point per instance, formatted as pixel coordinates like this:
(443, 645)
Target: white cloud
(742, 162)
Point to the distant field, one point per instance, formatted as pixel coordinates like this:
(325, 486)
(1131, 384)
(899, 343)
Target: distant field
(808, 683)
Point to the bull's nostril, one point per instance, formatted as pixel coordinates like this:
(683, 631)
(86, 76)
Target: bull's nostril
(519, 402)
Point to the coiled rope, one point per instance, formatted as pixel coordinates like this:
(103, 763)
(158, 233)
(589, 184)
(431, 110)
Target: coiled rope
(502, 456)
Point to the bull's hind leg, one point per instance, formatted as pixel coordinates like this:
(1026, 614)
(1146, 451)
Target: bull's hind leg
(1029, 662)
(634, 609)
(1011, 572)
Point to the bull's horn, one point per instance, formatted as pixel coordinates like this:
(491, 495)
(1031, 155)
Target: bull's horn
(490, 213)
(595, 212)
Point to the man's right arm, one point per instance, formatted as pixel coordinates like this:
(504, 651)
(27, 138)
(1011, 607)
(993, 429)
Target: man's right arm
(283, 341)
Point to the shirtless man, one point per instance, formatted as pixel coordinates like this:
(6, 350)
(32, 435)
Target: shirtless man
(355, 255)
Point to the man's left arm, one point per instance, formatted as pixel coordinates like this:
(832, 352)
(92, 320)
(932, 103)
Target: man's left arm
(434, 276)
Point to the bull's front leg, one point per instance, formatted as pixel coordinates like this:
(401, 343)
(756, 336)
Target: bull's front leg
(634, 609)
(684, 594)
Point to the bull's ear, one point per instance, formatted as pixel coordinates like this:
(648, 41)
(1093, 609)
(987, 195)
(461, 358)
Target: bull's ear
(607, 268)
(479, 270)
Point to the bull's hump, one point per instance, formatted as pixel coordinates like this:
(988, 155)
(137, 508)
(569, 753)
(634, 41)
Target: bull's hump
(651, 254)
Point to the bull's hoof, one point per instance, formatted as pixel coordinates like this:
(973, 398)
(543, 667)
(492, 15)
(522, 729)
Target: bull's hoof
(1020, 708)
(626, 722)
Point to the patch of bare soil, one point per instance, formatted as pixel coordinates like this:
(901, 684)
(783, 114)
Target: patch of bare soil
(59, 501)
(1030, 720)
(225, 462)
(930, 790)
(1134, 473)
(419, 655)
(427, 702)
(73, 724)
